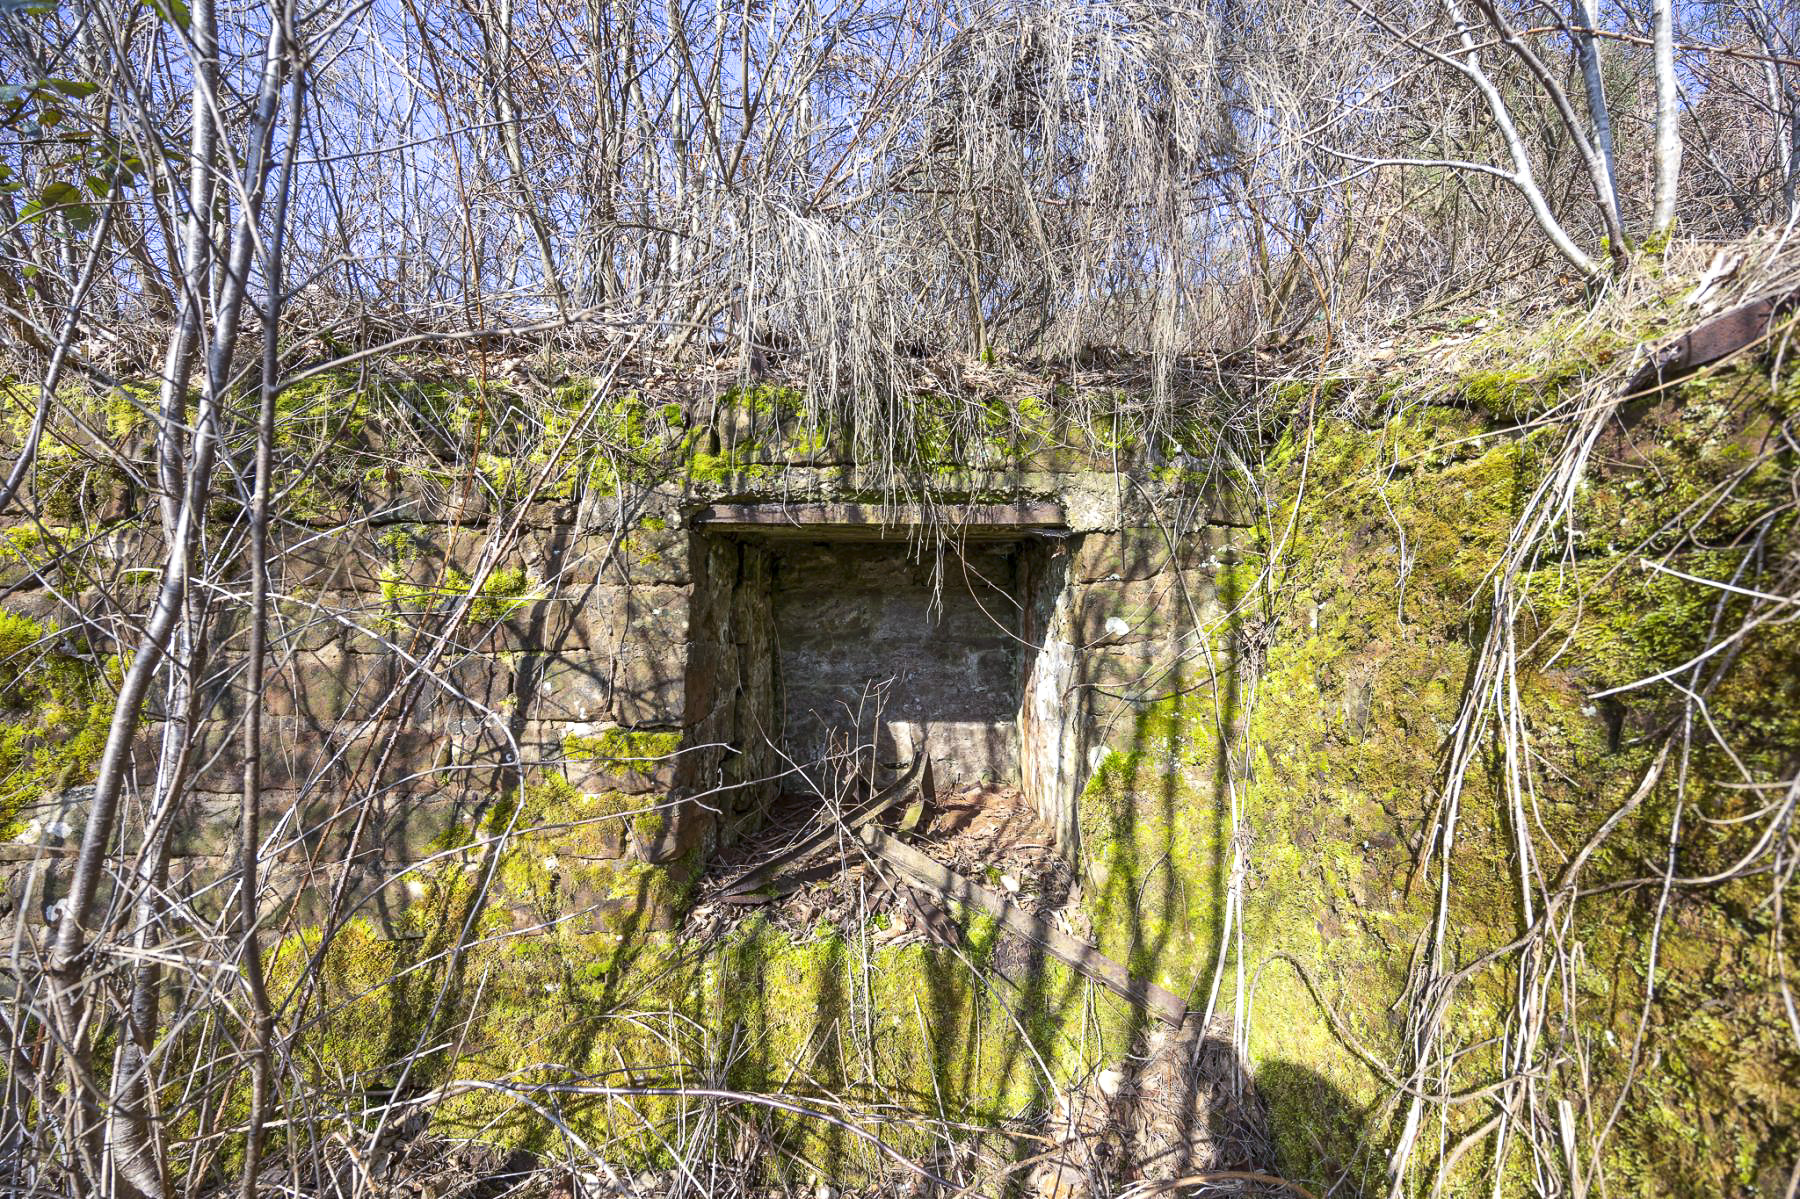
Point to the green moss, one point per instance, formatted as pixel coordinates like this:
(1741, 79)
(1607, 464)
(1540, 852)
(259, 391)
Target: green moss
(503, 592)
(760, 1011)
(648, 825)
(55, 710)
(72, 485)
(714, 469)
(575, 977)
(1505, 391)
(1361, 683)
(28, 550)
(327, 409)
(128, 409)
(407, 602)
(1294, 393)
(1533, 369)
(402, 544)
(621, 745)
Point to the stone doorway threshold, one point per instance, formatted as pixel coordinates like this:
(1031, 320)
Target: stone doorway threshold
(988, 833)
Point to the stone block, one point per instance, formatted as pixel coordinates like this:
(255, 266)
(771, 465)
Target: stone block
(601, 775)
(682, 826)
(528, 629)
(1143, 553)
(330, 683)
(647, 620)
(1127, 554)
(471, 685)
(575, 687)
(207, 826)
(219, 694)
(650, 691)
(215, 757)
(711, 680)
(420, 825)
(337, 617)
(597, 618)
(1140, 671)
(298, 752)
(622, 915)
(1159, 608)
(52, 822)
(599, 759)
(654, 551)
(341, 560)
(476, 752)
(409, 752)
(428, 554)
(590, 619)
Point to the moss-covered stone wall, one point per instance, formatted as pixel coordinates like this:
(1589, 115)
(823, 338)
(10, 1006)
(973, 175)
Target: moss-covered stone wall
(1253, 703)
(1322, 753)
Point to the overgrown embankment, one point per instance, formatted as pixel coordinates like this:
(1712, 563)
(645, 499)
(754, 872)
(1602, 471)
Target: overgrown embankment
(1609, 914)
(1408, 817)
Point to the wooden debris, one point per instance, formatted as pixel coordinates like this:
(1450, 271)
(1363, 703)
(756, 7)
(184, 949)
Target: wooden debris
(944, 883)
(968, 829)
(740, 889)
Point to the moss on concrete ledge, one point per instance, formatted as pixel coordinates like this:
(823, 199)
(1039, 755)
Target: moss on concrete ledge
(622, 746)
(919, 1032)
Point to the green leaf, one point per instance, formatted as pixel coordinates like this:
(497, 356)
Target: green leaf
(173, 11)
(57, 192)
(77, 88)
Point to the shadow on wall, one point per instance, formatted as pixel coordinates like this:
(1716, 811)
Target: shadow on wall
(1170, 697)
(853, 619)
(555, 974)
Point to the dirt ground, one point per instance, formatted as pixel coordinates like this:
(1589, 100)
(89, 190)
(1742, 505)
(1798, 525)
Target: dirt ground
(988, 834)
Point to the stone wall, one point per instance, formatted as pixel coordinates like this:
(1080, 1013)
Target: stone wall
(660, 674)
(881, 640)
(608, 714)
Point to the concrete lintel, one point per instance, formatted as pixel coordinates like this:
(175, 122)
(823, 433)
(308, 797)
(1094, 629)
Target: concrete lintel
(865, 521)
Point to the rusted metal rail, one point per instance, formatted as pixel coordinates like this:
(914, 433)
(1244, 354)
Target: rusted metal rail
(1709, 341)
